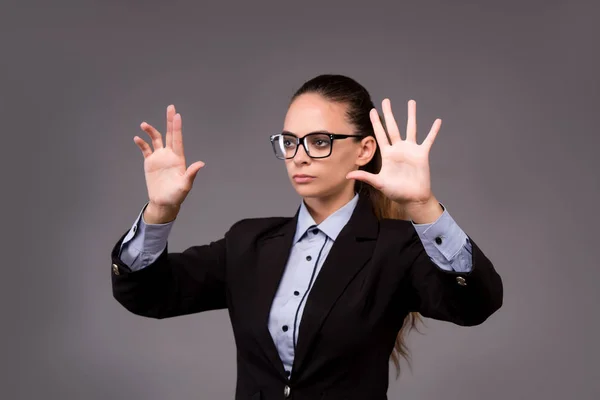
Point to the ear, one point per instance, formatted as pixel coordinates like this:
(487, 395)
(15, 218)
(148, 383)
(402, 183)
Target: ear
(368, 146)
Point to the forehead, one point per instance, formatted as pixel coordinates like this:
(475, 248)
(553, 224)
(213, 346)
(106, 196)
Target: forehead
(311, 112)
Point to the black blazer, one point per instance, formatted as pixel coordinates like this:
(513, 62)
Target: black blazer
(376, 273)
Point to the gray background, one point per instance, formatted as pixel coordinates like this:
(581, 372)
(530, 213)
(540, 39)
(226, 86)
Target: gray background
(516, 84)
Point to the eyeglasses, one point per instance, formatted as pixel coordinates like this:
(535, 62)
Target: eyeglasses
(316, 145)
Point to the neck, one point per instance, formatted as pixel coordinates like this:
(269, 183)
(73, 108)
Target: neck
(322, 207)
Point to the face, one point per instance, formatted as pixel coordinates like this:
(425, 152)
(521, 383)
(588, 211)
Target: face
(312, 113)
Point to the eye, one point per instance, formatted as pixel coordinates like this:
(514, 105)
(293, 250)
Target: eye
(320, 141)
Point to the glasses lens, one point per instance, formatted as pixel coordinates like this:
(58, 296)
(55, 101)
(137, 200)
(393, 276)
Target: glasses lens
(284, 146)
(318, 145)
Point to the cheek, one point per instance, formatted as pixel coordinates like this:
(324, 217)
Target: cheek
(344, 159)
(338, 167)
(288, 163)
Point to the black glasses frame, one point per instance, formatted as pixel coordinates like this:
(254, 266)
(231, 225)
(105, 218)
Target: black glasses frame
(332, 137)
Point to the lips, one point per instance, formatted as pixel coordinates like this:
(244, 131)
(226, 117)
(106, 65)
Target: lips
(302, 176)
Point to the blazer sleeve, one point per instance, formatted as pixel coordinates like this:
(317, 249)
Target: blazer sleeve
(176, 283)
(463, 298)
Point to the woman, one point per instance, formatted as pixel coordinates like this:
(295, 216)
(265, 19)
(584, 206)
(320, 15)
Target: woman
(319, 302)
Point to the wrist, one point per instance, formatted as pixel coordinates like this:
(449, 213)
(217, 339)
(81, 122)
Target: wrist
(426, 212)
(157, 214)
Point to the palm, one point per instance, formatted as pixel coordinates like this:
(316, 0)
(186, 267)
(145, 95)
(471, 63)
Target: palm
(404, 176)
(167, 178)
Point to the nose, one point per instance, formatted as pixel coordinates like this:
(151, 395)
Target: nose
(301, 156)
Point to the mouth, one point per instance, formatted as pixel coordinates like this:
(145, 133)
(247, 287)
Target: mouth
(302, 178)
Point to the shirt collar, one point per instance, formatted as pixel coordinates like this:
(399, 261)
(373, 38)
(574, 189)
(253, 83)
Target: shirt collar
(331, 226)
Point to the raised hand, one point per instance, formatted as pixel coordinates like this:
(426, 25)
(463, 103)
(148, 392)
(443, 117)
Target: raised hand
(404, 176)
(167, 178)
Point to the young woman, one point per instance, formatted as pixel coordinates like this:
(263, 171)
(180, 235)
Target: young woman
(319, 302)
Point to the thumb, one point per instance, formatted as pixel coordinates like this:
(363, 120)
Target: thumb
(364, 176)
(193, 169)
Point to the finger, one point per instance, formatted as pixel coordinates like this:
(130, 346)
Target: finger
(193, 169)
(144, 147)
(380, 134)
(177, 136)
(366, 177)
(157, 142)
(411, 123)
(169, 134)
(390, 122)
(435, 128)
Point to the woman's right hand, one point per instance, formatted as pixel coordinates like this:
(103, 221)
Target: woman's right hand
(167, 178)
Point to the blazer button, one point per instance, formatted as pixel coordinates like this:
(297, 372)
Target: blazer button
(461, 281)
(287, 391)
(115, 269)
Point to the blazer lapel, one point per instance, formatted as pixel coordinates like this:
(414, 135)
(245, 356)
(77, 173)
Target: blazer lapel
(350, 252)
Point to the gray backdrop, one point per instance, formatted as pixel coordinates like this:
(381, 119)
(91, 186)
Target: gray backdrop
(516, 84)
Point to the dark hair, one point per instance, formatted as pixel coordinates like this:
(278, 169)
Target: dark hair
(344, 90)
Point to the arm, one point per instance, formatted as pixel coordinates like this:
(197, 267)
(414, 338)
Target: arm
(144, 242)
(466, 297)
(446, 243)
(174, 284)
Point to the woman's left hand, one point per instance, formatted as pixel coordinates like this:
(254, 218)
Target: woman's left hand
(404, 176)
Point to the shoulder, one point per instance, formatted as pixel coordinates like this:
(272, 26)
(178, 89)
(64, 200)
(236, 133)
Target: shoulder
(256, 228)
(259, 223)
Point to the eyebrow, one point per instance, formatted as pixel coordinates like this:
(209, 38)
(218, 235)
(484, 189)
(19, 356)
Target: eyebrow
(293, 134)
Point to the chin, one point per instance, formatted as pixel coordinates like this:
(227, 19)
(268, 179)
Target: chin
(305, 191)
(308, 190)
(315, 191)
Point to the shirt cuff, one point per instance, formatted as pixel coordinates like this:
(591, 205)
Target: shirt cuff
(148, 239)
(446, 243)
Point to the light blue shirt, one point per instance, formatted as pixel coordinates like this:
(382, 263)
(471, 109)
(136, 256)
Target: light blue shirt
(145, 242)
